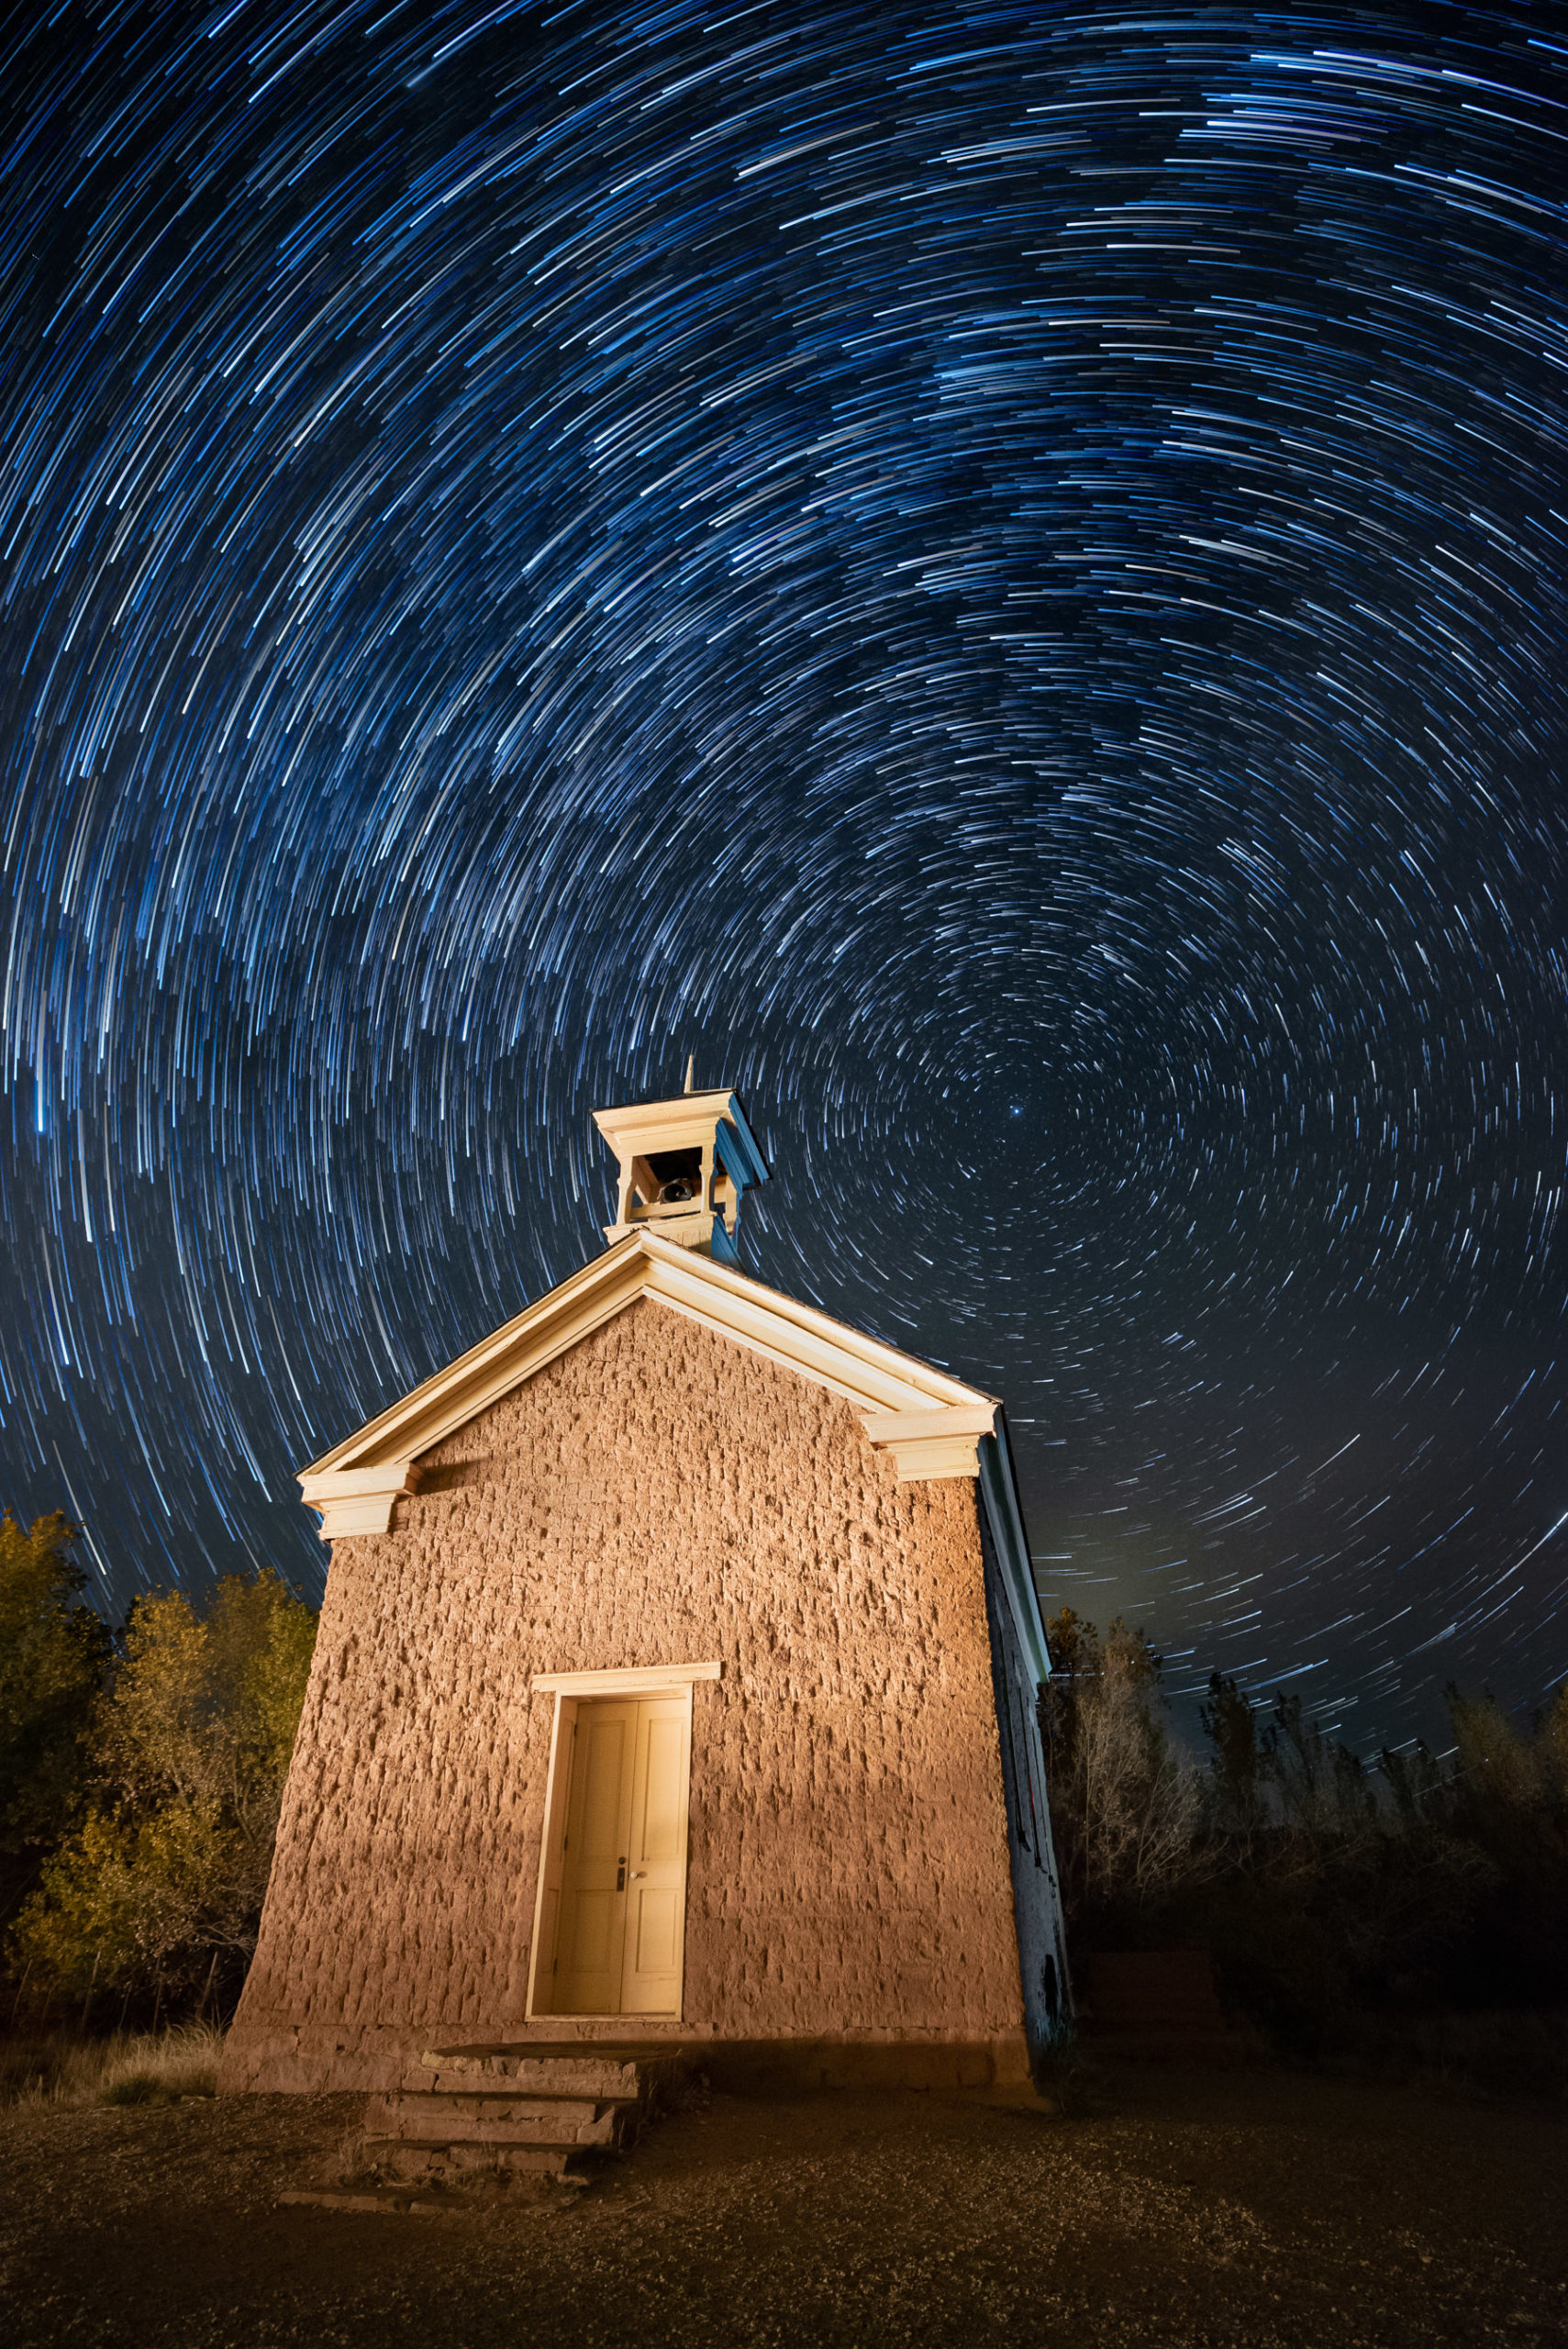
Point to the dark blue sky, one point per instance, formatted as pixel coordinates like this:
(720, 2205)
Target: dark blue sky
(999, 574)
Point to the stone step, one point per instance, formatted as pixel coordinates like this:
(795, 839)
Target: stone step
(488, 2088)
(427, 2119)
(440, 2092)
(396, 2200)
(621, 2073)
(412, 2161)
(529, 2108)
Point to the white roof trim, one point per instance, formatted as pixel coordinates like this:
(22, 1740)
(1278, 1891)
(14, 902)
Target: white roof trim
(916, 1411)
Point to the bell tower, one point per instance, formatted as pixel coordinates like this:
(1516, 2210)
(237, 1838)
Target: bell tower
(684, 1166)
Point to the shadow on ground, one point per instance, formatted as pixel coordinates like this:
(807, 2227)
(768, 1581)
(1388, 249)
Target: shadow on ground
(1169, 2207)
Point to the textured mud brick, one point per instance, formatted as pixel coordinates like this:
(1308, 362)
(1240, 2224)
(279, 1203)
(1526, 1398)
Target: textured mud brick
(657, 1496)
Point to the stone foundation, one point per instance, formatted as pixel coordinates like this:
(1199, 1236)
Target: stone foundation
(304, 2061)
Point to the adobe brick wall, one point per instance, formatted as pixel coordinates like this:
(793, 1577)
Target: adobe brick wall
(659, 1494)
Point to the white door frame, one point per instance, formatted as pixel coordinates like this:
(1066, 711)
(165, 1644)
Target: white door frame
(570, 1689)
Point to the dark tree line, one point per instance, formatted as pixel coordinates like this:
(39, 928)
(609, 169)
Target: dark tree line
(1323, 1887)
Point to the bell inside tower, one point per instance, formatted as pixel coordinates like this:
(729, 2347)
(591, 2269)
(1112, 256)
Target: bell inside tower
(684, 1166)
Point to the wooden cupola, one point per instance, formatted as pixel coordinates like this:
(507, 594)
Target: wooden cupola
(684, 1166)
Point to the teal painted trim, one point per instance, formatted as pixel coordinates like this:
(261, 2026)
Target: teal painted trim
(740, 1135)
(999, 1491)
(733, 1158)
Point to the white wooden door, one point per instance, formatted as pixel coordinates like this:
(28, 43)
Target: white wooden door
(623, 1882)
(656, 1872)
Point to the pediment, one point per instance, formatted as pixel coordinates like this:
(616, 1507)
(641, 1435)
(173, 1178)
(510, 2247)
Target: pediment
(931, 1424)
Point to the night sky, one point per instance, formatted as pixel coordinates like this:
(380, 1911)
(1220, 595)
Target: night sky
(996, 574)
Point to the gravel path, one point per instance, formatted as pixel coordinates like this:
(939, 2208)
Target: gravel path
(1176, 2208)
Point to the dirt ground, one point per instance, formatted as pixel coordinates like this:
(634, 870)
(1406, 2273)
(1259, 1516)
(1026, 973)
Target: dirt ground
(1172, 2207)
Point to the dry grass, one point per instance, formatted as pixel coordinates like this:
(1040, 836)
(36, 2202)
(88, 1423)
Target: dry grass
(129, 2067)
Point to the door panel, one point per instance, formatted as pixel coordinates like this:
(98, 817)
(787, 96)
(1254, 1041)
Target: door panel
(595, 1917)
(601, 1825)
(658, 1938)
(664, 1813)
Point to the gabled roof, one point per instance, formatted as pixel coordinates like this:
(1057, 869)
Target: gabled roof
(931, 1424)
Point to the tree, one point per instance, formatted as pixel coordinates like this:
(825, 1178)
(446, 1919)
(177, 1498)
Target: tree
(1124, 1799)
(53, 1655)
(1508, 1798)
(1235, 1765)
(166, 1874)
(1328, 1895)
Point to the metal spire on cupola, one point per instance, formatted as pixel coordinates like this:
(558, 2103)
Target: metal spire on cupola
(685, 1164)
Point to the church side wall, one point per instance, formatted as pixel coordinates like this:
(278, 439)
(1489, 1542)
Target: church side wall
(658, 1496)
(1036, 1900)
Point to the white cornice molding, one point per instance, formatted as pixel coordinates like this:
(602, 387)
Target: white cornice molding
(930, 1422)
(932, 1443)
(678, 1124)
(623, 1680)
(356, 1500)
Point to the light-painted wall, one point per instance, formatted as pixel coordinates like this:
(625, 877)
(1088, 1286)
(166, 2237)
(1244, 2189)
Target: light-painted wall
(659, 1494)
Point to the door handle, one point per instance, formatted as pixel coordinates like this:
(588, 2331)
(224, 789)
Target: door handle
(637, 1872)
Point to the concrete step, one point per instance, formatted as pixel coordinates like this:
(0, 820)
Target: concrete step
(510, 2086)
(501, 2103)
(396, 2200)
(529, 2108)
(413, 2162)
(624, 2075)
(495, 2122)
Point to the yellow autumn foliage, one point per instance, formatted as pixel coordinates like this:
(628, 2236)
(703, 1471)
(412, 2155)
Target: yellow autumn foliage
(192, 1741)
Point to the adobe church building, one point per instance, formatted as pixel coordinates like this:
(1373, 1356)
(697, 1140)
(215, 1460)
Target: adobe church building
(676, 1683)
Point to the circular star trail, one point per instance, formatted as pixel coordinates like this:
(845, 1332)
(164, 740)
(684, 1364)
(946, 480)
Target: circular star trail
(996, 574)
